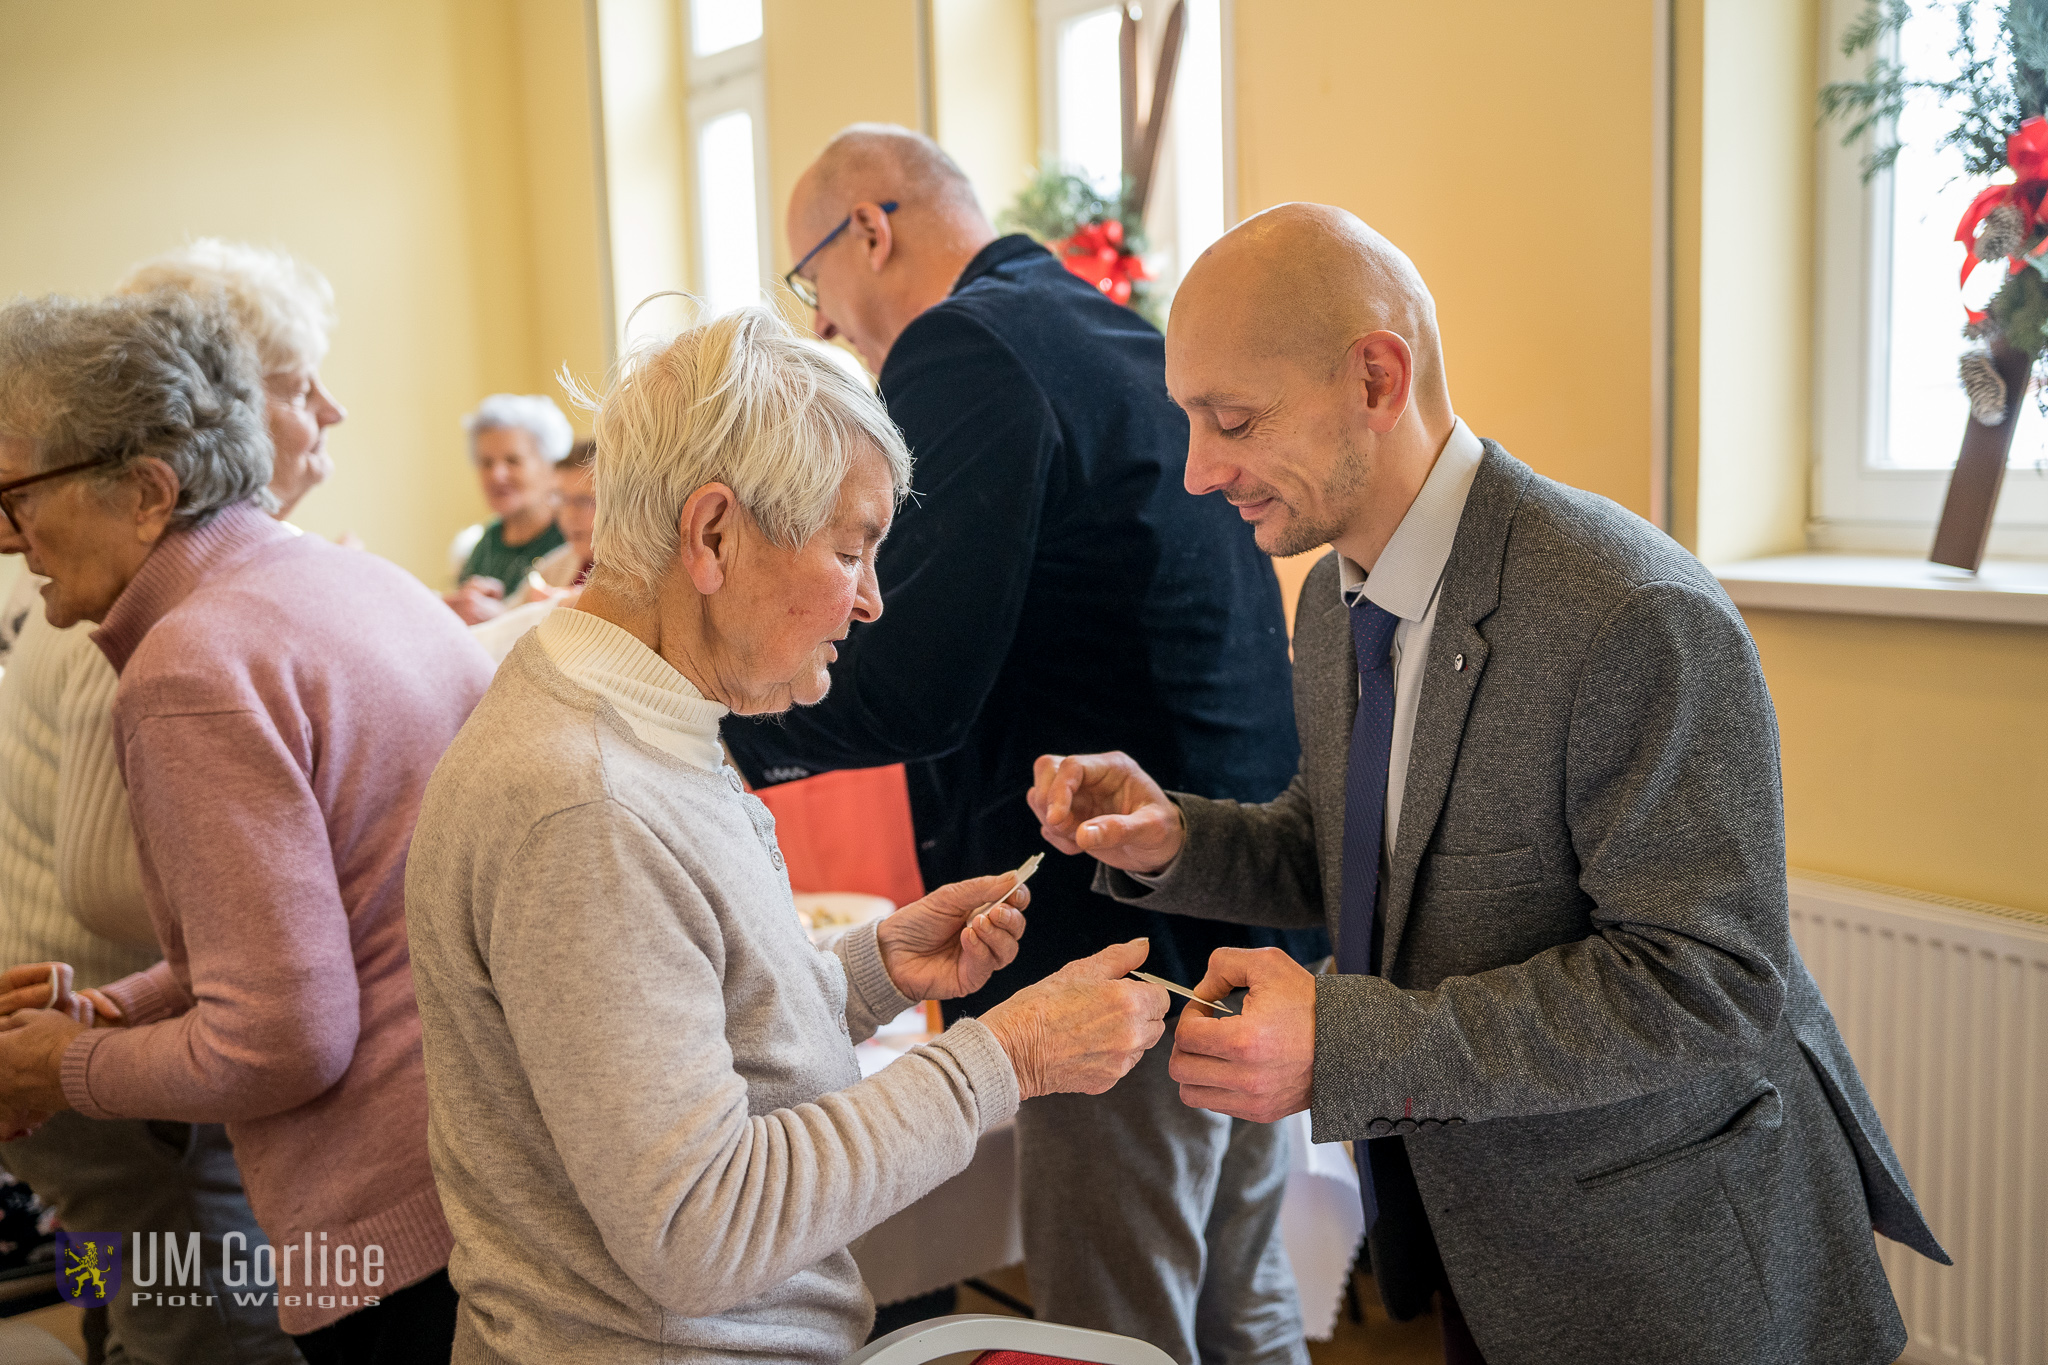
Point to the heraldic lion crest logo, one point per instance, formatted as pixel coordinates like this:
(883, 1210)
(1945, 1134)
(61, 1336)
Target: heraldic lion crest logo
(88, 1266)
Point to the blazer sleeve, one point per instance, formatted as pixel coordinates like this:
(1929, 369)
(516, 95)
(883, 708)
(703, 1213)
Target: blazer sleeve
(954, 570)
(1241, 863)
(1672, 800)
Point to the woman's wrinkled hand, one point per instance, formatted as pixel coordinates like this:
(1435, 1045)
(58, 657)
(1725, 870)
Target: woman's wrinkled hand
(478, 600)
(32, 1044)
(1083, 1027)
(932, 950)
(28, 987)
(99, 1010)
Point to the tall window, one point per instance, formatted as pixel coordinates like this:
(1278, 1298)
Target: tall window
(1081, 119)
(729, 151)
(1891, 411)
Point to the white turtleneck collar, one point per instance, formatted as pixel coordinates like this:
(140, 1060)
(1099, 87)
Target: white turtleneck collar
(664, 708)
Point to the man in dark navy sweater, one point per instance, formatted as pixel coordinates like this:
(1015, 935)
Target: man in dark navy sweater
(1050, 588)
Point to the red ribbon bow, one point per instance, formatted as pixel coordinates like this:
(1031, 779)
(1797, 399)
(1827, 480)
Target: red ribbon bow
(2026, 151)
(1096, 254)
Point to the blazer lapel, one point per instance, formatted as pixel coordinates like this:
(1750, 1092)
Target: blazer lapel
(1470, 592)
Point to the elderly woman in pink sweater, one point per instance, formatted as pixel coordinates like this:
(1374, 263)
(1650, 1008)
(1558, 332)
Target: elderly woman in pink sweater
(282, 702)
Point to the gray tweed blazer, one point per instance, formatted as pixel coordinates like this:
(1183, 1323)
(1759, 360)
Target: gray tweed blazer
(1636, 1132)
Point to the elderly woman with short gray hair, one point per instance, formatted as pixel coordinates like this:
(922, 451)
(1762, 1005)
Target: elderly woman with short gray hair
(515, 442)
(650, 1131)
(70, 883)
(281, 704)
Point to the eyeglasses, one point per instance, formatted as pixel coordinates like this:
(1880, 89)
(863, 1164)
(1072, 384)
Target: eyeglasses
(802, 287)
(8, 489)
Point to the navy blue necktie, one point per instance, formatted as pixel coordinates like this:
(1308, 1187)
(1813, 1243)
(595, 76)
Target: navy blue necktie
(1365, 818)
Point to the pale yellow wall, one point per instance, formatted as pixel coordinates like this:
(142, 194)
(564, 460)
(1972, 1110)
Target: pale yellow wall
(387, 142)
(1743, 410)
(560, 181)
(646, 141)
(985, 82)
(1916, 752)
(828, 64)
(1507, 149)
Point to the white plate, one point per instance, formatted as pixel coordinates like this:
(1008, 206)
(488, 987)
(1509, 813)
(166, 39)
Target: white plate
(832, 912)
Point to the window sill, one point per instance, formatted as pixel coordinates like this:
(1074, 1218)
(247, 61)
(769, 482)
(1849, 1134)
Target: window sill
(2004, 591)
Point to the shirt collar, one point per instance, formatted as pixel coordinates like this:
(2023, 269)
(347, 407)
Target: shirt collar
(1404, 581)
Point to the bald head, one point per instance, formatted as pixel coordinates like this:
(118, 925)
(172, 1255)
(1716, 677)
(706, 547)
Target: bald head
(1303, 346)
(1301, 283)
(878, 162)
(888, 265)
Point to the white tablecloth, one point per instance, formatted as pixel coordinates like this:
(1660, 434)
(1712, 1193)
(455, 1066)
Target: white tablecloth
(970, 1225)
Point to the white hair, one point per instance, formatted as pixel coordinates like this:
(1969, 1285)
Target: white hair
(737, 400)
(284, 305)
(533, 413)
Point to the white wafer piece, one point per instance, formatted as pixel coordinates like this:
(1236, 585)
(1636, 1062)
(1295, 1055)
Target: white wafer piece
(1023, 874)
(1164, 984)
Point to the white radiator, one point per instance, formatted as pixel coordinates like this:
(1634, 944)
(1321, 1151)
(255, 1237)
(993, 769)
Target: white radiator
(1944, 1004)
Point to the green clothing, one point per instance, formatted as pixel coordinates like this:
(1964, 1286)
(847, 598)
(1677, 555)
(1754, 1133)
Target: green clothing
(509, 564)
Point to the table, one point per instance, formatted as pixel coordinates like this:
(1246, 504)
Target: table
(971, 1224)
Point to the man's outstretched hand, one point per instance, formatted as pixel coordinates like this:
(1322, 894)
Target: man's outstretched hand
(1105, 805)
(1260, 1063)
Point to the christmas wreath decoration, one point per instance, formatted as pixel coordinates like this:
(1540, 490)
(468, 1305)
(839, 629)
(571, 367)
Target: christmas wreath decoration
(1997, 95)
(1094, 236)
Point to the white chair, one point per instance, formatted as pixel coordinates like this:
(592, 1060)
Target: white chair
(965, 1333)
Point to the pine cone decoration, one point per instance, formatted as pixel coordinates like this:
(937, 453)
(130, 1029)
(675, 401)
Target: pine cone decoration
(1986, 387)
(2004, 233)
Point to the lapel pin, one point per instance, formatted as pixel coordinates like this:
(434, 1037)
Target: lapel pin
(1458, 662)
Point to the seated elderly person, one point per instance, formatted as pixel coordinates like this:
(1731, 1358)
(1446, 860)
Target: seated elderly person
(281, 704)
(650, 1131)
(515, 442)
(560, 574)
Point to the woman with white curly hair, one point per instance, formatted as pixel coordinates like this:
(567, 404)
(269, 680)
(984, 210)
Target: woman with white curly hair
(70, 884)
(649, 1129)
(515, 442)
(286, 309)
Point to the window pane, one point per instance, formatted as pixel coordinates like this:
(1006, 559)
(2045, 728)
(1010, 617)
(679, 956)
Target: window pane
(1198, 132)
(1927, 408)
(716, 25)
(727, 223)
(1090, 98)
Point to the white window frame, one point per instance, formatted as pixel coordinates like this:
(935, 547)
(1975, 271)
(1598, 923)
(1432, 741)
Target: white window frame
(720, 84)
(1162, 213)
(1858, 504)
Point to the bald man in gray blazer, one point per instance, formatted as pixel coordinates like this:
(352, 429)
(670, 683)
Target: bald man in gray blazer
(1601, 1110)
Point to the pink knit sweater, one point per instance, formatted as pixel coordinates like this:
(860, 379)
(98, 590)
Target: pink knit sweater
(282, 703)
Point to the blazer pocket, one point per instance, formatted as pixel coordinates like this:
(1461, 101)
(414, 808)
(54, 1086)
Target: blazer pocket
(1484, 871)
(1763, 1112)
